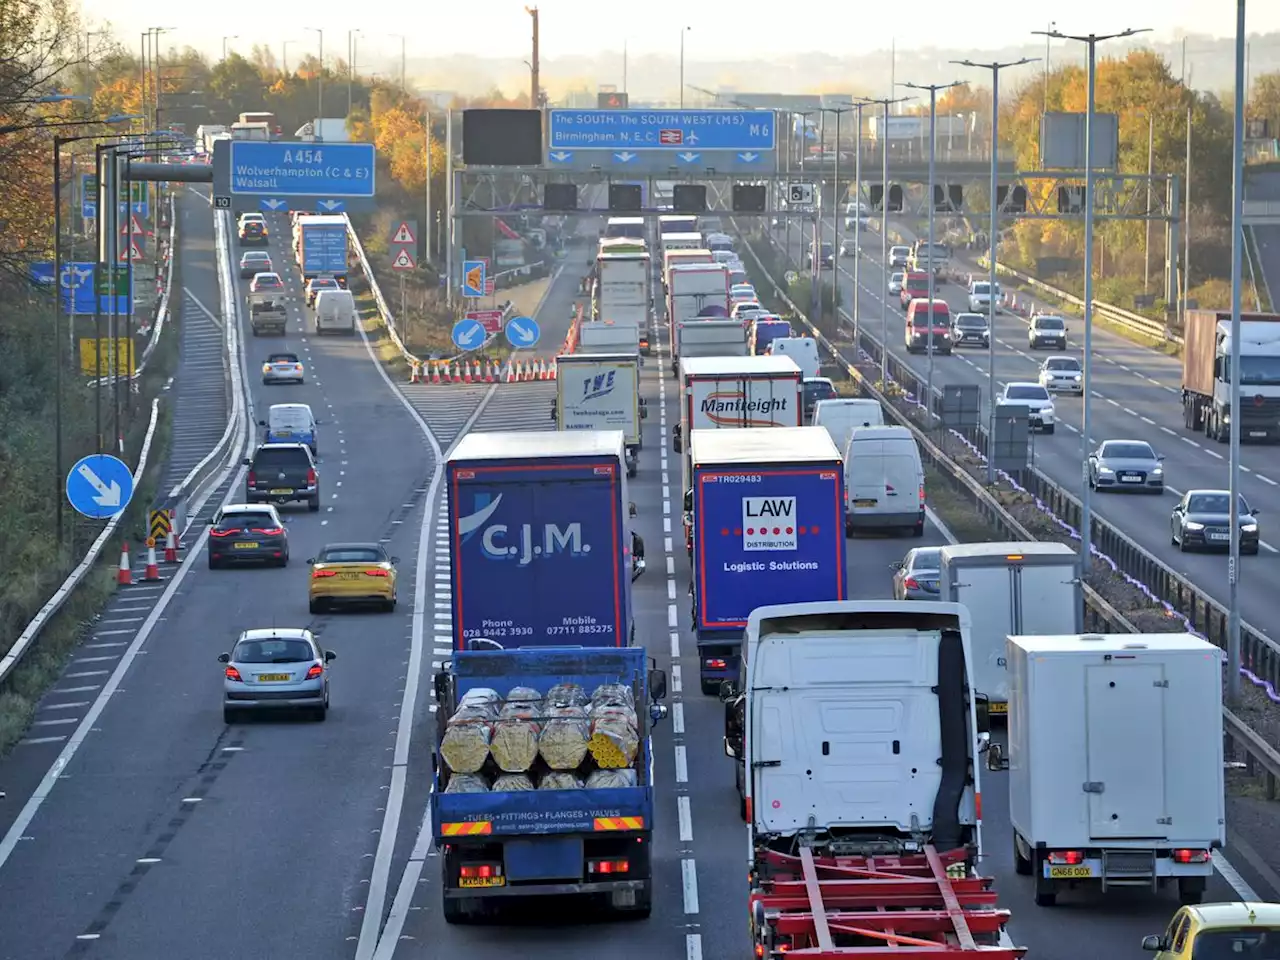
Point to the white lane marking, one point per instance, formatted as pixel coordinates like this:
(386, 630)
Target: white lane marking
(1215, 454)
(1266, 480)
(682, 764)
(677, 719)
(689, 884)
(1168, 431)
(684, 816)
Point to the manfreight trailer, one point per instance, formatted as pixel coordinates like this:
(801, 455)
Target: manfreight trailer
(768, 528)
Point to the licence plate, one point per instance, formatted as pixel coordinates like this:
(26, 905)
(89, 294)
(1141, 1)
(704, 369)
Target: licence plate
(246, 546)
(281, 433)
(998, 708)
(1070, 873)
(482, 881)
(865, 503)
(1219, 536)
(1130, 479)
(273, 678)
(282, 489)
(1257, 433)
(348, 576)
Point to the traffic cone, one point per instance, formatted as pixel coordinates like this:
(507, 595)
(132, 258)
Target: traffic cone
(489, 375)
(413, 371)
(456, 376)
(542, 370)
(553, 369)
(171, 547)
(152, 572)
(124, 576)
(466, 373)
(435, 373)
(509, 374)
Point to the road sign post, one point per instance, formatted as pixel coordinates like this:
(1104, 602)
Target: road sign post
(403, 260)
(654, 141)
(99, 486)
(522, 332)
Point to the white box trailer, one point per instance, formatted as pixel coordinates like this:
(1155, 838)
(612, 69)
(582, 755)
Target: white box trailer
(609, 336)
(1010, 588)
(601, 391)
(709, 338)
(1115, 761)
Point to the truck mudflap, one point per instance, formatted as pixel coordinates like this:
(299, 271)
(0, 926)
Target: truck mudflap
(925, 905)
(719, 659)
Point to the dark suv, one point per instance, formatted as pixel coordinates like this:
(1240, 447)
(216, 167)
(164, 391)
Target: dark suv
(283, 472)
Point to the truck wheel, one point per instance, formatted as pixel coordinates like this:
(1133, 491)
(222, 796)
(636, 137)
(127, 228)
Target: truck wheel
(457, 911)
(644, 903)
(1190, 890)
(1021, 864)
(1046, 899)
(711, 688)
(314, 505)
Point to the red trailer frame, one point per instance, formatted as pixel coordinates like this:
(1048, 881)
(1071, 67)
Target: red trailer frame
(921, 906)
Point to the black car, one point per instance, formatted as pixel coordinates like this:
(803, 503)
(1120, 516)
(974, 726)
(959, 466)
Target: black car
(826, 253)
(283, 473)
(1202, 518)
(813, 389)
(242, 532)
(970, 328)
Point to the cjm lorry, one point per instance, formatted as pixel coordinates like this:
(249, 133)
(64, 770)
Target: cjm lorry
(1115, 761)
(1206, 375)
(856, 735)
(320, 246)
(768, 510)
(601, 391)
(1010, 588)
(539, 545)
(497, 844)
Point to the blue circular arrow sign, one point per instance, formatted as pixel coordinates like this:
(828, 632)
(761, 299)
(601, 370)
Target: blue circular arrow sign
(522, 332)
(99, 486)
(469, 334)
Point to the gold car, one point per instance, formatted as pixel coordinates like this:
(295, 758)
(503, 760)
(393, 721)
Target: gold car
(355, 573)
(1212, 930)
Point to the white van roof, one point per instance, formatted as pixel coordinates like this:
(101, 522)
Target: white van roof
(881, 433)
(763, 445)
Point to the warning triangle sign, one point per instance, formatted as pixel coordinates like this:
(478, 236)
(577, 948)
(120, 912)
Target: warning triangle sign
(132, 225)
(404, 234)
(403, 260)
(132, 251)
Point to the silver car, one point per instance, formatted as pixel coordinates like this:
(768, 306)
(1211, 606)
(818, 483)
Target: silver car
(916, 575)
(1126, 465)
(1062, 375)
(276, 668)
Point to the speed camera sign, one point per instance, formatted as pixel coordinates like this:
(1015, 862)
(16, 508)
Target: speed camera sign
(800, 194)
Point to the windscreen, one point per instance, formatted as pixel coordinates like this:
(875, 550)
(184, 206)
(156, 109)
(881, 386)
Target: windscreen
(246, 521)
(268, 457)
(1049, 323)
(1128, 451)
(1026, 392)
(351, 555)
(273, 651)
(1062, 363)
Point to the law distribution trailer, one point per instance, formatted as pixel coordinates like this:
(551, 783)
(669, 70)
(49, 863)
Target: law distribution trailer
(768, 528)
(539, 545)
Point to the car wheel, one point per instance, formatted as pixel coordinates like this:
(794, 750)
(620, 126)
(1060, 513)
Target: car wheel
(314, 504)
(918, 530)
(1182, 544)
(283, 561)
(213, 563)
(1049, 429)
(229, 715)
(315, 606)
(1250, 551)
(389, 606)
(319, 714)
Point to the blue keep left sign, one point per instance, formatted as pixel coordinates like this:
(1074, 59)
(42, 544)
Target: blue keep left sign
(99, 486)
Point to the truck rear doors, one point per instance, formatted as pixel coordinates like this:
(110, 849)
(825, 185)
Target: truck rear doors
(1126, 782)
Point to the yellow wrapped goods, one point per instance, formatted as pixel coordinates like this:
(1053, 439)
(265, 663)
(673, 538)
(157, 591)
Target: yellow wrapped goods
(467, 783)
(557, 780)
(607, 779)
(512, 783)
(614, 741)
(465, 745)
(514, 744)
(563, 741)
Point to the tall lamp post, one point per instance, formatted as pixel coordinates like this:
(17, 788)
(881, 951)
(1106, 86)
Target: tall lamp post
(992, 246)
(224, 45)
(1237, 257)
(404, 63)
(352, 36)
(682, 33)
(1091, 41)
(933, 89)
(319, 32)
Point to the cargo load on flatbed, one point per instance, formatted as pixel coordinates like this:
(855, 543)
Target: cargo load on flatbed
(1206, 382)
(542, 779)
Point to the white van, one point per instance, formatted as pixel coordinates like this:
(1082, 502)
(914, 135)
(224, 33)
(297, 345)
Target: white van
(290, 423)
(803, 350)
(842, 416)
(883, 481)
(335, 310)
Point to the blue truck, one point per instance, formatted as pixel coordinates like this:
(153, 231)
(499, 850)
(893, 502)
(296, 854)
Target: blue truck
(320, 246)
(767, 509)
(497, 845)
(539, 540)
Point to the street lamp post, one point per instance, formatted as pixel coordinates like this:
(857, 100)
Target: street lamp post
(404, 68)
(351, 64)
(992, 247)
(1091, 41)
(158, 66)
(933, 89)
(319, 72)
(224, 45)
(1237, 257)
(682, 33)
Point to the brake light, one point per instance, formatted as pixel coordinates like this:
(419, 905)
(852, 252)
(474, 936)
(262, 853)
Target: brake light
(716, 664)
(269, 531)
(922, 493)
(315, 671)
(233, 674)
(1067, 857)
(223, 533)
(321, 574)
(298, 367)
(253, 479)
(478, 871)
(311, 476)
(911, 583)
(266, 368)
(375, 573)
(608, 866)
(1190, 856)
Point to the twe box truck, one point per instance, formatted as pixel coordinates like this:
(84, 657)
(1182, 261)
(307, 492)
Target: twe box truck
(767, 515)
(539, 545)
(601, 391)
(1115, 761)
(1010, 588)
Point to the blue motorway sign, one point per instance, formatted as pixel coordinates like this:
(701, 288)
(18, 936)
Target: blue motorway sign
(99, 486)
(266, 168)
(671, 131)
(77, 289)
(88, 196)
(522, 332)
(469, 334)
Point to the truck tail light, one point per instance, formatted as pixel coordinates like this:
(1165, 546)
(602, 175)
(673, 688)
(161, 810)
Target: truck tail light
(1068, 858)
(608, 866)
(253, 479)
(479, 871)
(922, 493)
(1190, 856)
(311, 478)
(715, 664)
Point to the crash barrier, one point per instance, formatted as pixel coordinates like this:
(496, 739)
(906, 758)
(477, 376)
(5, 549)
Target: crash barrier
(1259, 654)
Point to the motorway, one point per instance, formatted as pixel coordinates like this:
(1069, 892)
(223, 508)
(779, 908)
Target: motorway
(170, 834)
(1136, 395)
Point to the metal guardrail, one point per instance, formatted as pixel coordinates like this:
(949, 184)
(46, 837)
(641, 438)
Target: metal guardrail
(1258, 651)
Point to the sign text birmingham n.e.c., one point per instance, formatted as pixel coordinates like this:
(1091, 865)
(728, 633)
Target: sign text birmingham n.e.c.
(673, 130)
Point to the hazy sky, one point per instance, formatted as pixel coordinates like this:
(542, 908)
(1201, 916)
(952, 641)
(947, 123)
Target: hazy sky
(718, 30)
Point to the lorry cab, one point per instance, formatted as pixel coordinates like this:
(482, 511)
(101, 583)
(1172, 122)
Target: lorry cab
(290, 423)
(884, 481)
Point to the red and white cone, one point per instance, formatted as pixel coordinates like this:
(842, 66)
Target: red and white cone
(124, 576)
(152, 573)
(171, 547)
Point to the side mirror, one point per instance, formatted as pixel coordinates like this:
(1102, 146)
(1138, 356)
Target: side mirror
(262, 423)
(1153, 944)
(211, 521)
(677, 445)
(896, 565)
(995, 758)
(1256, 512)
(730, 749)
(631, 509)
(688, 501)
(311, 561)
(638, 567)
(657, 684)
(982, 709)
(644, 412)
(728, 690)
(441, 684)
(247, 462)
(330, 656)
(395, 560)
(637, 546)
(1159, 456)
(224, 658)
